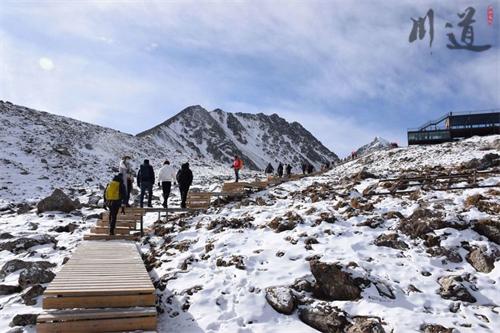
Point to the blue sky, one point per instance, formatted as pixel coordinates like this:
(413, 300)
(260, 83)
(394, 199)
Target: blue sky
(344, 69)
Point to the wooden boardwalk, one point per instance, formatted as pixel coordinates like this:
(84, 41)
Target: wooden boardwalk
(108, 275)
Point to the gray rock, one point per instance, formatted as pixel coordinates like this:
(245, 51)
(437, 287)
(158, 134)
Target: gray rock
(35, 276)
(451, 255)
(366, 325)
(324, 318)
(490, 229)
(57, 201)
(23, 208)
(332, 283)
(452, 288)
(434, 328)
(6, 235)
(281, 299)
(391, 240)
(480, 261)
(24, 320)
(70, 227)
(24, 243)
(8, 289)
(30, 296)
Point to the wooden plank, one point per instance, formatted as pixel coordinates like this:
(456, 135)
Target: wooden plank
(99, 325)
(105, 231)
(110, 301)
(96, 314)
(108, 237)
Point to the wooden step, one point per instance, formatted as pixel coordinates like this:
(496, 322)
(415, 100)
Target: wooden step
(125, 224)
(93, 236)
(105, 230)
(97, 320)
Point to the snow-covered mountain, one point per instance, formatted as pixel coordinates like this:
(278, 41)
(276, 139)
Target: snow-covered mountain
(378, 143)
(42, 151)
(257, 138)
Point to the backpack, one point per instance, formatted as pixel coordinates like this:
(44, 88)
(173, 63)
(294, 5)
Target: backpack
(113, 191)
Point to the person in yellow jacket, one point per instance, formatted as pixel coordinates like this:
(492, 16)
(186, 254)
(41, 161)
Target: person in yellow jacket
(114, 197)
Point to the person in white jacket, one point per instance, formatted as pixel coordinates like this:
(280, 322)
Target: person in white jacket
(166, 176)
(126, 170)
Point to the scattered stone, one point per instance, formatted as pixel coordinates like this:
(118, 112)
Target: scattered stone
(392, 215)
(363, 324)
(62, 150)
(16, 264)
(363, 174)
(70, 227)
(373, 222)
(23, 208)
(236, 261)
(451, 255)
(324, 318)
(391, 240)
(234, 223)
(434, 328)
(453, 288)
(57, 201)
(480, 261)
(24, 243)
(24, 320)
(94, 200)
(6, 235)
(421, 222)
(384, 290)
(8, 289)
(490, 229)
(281, 299)
(29, 297)
(287, 222)
(454, 307)
(332, 283)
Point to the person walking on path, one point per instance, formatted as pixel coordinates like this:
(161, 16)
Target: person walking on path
(145, 180)
(166, 176)
(269, 170)
(288, 170)
(304, 168)
(279, 170)
(237, 166)
(125, 169)
(310, 168)
(114, 198)
(184, 179)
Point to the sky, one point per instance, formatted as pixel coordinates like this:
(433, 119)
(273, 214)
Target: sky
(344, 69)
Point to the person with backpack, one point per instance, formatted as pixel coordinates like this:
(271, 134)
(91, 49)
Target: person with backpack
(288, 170)
(145, 180)
(184, 179)
(310, 168)
(114, 198)
(304, 168)
(125, 169)
(269, 170)
(237, 166)
(279, 170)
(166, 176)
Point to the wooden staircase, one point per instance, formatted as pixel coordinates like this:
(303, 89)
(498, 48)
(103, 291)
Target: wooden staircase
(126, 227)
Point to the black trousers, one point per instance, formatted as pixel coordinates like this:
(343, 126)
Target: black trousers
(237, 174)
(114, 207)
(166, 186)
(184, 193)
(130, 185)
(146, 186)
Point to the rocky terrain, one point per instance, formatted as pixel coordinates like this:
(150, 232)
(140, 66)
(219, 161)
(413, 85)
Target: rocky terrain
(378, 143)
(316, 254)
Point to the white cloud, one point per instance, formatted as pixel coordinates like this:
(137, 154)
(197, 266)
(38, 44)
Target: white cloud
(46, 64)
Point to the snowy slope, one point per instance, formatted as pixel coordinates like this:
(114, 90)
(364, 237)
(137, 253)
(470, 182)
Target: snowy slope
(258, 138)
(378, 143)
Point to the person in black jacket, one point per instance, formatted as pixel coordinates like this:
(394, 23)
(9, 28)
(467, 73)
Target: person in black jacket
(304, 168)
(184, 179)
(280, 170)
(114, 197)
(145, 180)
(288, 170)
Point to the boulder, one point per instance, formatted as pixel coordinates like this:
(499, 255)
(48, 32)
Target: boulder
(24, 320)
(8, 289)
(332, 283)
(391, 240)
(480, 260)
(16, 264)
(23, 208)
(24, 243)
(451, 255)
(30, 296)
(452, 288)
(35, 276)
(57, 201)
(6, 235)
(324, 318)
(363, 324)
(70, 227)
(489, 229)
(281, 299)
(421, 222)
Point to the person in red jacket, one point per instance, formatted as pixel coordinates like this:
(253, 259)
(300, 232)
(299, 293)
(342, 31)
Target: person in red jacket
(237, 166)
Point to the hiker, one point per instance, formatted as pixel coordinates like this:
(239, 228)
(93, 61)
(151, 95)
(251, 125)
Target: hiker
(310, 168)
(125, 169)
(237, 166)
(288, 170)
(114, 198)
(279, 170)
(304, 168)
(166, 176)
(269, 170)
(145, 180)
(184, 179)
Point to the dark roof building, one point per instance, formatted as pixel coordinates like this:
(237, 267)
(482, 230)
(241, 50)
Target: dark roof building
(455, 126)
